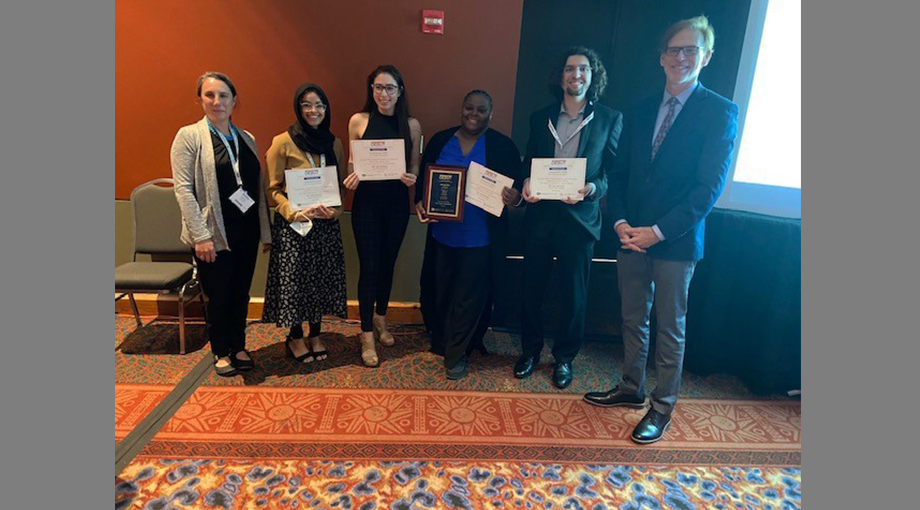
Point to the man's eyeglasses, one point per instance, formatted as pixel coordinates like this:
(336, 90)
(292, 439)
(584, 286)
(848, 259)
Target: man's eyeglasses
(320, 107)
(572, 69)
(689, 51)
(379, 88)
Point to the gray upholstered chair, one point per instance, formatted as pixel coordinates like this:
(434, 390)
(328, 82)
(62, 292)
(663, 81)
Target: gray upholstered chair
(157, 225)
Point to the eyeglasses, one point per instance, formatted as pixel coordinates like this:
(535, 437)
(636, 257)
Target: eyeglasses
(390, 89)
(689, 51)
(572, 69)
(320, 107)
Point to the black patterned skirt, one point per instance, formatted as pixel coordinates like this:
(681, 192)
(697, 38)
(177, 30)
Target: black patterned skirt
(306, 274)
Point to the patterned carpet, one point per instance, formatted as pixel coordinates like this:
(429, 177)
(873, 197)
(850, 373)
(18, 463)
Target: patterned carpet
(368, 485)
(149, 357)
(252, 447)
(335, 434)
(150, 354)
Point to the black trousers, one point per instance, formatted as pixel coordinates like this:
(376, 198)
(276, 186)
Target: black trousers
(297, 330)
(377, 238)
(573, 248)
(463, 297)
(226, 282)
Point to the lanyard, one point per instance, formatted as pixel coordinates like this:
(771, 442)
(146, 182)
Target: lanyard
(552, 129)
(322, 160)
(234, 159)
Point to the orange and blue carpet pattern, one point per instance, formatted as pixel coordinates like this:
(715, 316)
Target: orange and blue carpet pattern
(268, 447)
(415, 485)
(337, 435)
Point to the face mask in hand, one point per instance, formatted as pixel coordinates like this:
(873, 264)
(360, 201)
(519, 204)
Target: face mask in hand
(302, 227)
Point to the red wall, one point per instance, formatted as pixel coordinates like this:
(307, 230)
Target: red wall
(269, 47)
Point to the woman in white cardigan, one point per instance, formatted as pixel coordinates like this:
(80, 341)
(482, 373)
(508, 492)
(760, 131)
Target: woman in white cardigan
(224, 215)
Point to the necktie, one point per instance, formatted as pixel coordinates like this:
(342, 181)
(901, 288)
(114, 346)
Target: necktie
(665, 126)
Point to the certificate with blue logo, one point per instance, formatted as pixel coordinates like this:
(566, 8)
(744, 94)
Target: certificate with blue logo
(312, 186)
(379, 160)
(484, 188)
(557, 178)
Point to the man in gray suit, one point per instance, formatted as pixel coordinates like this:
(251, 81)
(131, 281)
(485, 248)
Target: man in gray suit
(675, 153)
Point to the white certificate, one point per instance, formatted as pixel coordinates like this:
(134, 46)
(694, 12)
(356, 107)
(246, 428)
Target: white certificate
(484, 188)
(557, 178)
(312, 186)
(379, 160)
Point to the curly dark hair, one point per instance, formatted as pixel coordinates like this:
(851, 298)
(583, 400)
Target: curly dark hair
(598, 73)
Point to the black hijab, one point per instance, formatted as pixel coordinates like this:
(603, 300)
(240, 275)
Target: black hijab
(314, 141)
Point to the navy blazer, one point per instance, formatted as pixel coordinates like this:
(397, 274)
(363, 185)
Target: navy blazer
(598, 143)
(678, 189)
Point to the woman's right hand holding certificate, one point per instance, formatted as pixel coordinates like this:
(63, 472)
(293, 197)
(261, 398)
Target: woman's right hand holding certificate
(351, 182)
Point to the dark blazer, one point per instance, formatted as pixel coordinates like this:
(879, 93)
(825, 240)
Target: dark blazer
(503, 157)
(677, 190)
(598, 143)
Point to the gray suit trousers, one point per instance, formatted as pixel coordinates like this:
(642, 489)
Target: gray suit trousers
(642, 281)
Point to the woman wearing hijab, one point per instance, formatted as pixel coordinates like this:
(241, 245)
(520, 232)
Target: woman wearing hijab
(306, 268)
(224, 216)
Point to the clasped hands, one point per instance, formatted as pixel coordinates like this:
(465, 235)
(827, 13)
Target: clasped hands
(637, 239)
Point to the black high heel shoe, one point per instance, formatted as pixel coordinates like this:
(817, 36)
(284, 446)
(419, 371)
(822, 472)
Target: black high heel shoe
(302, 358)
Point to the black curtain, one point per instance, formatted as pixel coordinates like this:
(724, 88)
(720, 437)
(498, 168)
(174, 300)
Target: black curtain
(745, 309)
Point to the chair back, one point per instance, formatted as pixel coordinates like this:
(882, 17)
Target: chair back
(157, 218)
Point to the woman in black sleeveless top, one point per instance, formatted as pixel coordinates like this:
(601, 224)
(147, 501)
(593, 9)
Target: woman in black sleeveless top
(380, 210)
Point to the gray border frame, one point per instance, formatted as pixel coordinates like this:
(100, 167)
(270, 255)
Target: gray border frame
(859, 339)
(57, 152)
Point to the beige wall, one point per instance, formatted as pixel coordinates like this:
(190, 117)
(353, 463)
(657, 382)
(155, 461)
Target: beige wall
(405, 279)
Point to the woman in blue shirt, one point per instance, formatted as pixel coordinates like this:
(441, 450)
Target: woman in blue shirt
(460, 257)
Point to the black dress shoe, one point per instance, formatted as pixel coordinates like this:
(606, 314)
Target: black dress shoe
(614, 398)
(525, 366)
(651, 427)
(242, 364)
(562, 375)
(459, 371)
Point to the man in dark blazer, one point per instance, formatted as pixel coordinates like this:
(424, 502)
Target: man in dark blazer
(673, 162)
(574, 126)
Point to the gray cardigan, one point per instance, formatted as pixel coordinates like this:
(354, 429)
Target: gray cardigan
(192, 158)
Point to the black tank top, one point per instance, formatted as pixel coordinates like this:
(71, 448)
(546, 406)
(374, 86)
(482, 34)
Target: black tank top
(382, 197)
